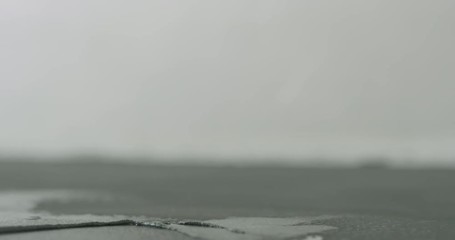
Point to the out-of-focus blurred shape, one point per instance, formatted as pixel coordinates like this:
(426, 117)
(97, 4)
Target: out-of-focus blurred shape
(256, 79)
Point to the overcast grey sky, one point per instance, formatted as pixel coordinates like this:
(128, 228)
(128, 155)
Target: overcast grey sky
(232, 78)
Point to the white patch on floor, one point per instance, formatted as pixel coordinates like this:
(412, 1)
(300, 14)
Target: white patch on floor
(313, 238)
(258, 228)
(26, 201)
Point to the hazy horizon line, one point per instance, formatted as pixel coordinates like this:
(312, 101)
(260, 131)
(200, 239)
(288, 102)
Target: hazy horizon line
(238, 161)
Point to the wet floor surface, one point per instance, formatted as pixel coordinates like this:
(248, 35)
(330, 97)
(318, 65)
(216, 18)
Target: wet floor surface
(18, 214)
(111, 233)
(369, 203)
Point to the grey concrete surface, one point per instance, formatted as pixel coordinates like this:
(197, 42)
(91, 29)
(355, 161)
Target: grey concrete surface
(374, 203)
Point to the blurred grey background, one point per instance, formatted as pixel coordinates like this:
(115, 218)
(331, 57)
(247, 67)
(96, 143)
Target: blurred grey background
(229, 80)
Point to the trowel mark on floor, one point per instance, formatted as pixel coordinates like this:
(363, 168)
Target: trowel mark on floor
(17, 211)
(17, 215)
